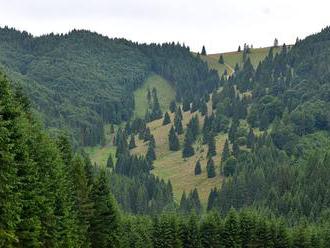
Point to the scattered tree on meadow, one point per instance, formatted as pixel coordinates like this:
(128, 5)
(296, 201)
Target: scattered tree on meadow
(188, 149)
(221, 59)
(203, 51)
(198, 168)
(210, 168)
(167, 119)
(173, 140)
(110, 162)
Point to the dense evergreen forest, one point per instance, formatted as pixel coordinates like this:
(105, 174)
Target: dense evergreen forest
(81, 80)
(275, 163)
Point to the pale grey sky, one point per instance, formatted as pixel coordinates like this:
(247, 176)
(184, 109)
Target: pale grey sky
(221, 25)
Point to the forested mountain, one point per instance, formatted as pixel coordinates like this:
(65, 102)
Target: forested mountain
(52, 197)
(272, 121)
(285, 171)
(82, 80)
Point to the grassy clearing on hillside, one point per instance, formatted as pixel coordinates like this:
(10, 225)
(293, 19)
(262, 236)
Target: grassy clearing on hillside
(165, 93)
(99, 154)
(170, 165)
(231, 58)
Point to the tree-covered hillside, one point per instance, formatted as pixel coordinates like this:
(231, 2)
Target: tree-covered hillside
(81, 80)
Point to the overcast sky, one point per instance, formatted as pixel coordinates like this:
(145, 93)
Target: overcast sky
(221, 25)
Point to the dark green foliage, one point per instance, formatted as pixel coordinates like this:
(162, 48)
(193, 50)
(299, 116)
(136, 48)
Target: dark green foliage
(110, 162)
(105, 221)
(236, 149)
(188, 149)
(132, 142)
(198, 168)
(221, 60)
(174, 144)
(250, 139)
(178, 121)
(193, 125)
(203, 52)
(151, 154)
(186, 105)
(167, 119)
(211, 146)
(190, 203)
(210, 168)
(69, 71)
(229, 166)
(225, 152)
(172, 107)
(154, 112)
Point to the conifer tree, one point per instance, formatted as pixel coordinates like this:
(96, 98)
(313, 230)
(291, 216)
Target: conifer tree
(210, 168)
(173, 140)
(166, 119)
(236, 149)
(132, 142)
(203, 108)
(239, 49)
(198, 168)
(203, 51)
(225, 152)
(221, 60)
(250, 139)
(178, 124)
(211, 146)
(191, 232)
(147, 134)
(151, 154)
(188, 150)
(110, 163)
(232, 230)
(172, 106)
(105, 222)
(185, 105)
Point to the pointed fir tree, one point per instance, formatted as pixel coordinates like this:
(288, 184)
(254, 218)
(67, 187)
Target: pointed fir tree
(105, 222)
(167, 119)
(250, 139)
(203, 51)
(236, 149)
(173, 140)
(203, 108)
(210, 168)
(188, 149)
(178, 125)
(225, 152)
(211, 146)
(172, 106)
(221, 60)
(110, 163)
(198, 168)
(151, 154)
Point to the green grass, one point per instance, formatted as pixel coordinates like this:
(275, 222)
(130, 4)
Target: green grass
(231, 58)
(165, 92)
(99, 154)
(171, 166)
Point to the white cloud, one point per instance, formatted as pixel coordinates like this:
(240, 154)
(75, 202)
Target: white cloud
(221, 25)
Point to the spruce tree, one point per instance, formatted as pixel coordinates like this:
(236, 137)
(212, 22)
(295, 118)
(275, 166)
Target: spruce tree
(151, 154)
(221, 60)
(236, 149)
(110, 163)
(178, 125)
(173, 140)
(198, 168)
(225, 152)
(132, 142)
(172, 106)
(203, 51)
(188, 150)
(210, 168)
(166, 119)
(211, 146)
(105, 222)
(203, 108)
(250, 139)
